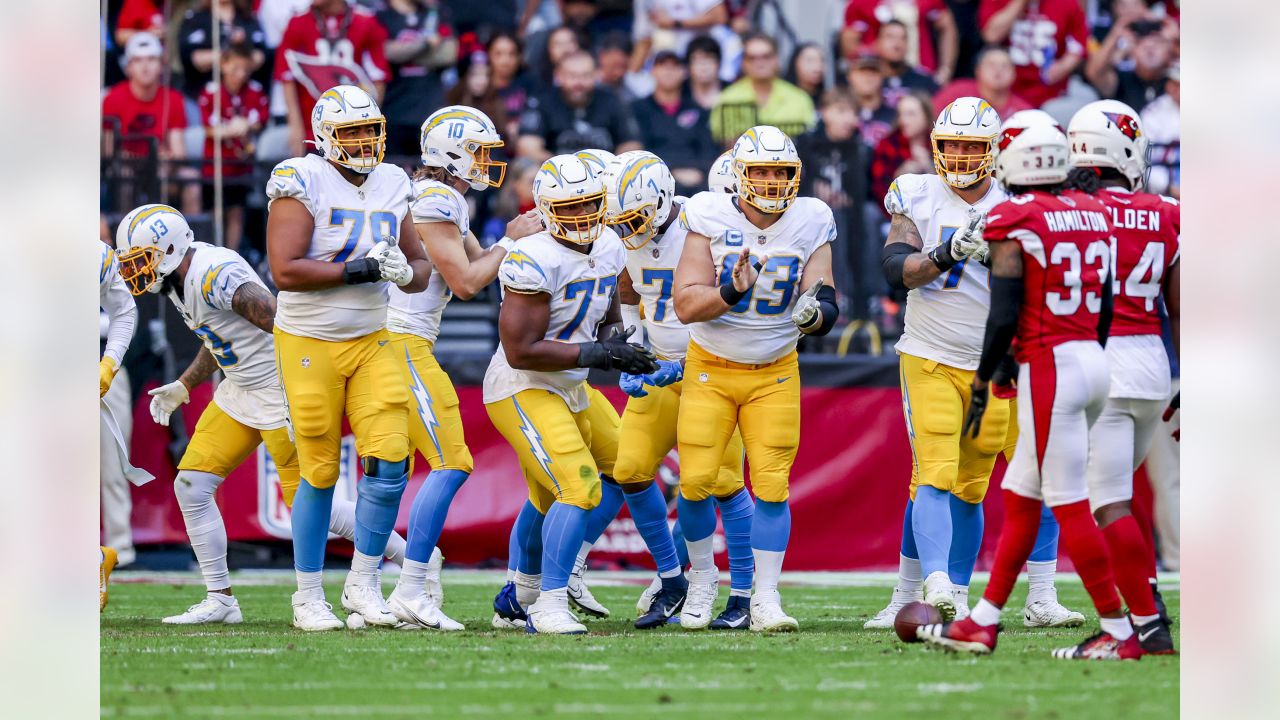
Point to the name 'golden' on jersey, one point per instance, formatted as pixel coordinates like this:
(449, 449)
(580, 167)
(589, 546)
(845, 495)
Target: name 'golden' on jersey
(759, 328)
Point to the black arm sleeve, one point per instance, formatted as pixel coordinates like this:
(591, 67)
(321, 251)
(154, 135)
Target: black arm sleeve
(829, 311)
(1107, 311)
(1002, 323)
(892, 257)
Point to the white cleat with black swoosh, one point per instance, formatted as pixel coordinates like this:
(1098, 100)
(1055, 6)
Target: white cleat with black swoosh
(420, 611)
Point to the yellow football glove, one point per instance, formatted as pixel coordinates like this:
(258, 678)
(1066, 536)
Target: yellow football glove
(106, 373)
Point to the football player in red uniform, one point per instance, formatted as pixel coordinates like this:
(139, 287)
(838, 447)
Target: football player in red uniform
(1108, 154)
(1051, 288)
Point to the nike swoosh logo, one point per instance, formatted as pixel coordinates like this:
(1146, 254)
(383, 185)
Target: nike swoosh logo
(446, 213)
(381, 343)
(736, 623)
(695, 616)
(1143, 636)
(783, 379)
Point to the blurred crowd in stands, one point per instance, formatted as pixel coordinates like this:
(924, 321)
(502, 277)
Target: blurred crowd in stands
(197, 87)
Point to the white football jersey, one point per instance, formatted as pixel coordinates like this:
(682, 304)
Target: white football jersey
(419, 313)
(581, 287)
(349, 221)
(652, 269)
(117, 313)
(946, 319)
(245, 353)
(758, 329)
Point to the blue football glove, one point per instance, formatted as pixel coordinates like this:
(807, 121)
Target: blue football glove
(669, 371)
(633, 385)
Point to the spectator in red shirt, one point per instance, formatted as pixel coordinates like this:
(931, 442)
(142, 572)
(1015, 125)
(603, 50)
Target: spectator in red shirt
(922, 18)
(244, 109)
(138, 16)
(906, 150)
(332, 44)
(1046, 40)
(992, 81)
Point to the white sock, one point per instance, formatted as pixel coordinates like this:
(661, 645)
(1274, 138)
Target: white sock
(433, 571)
(205, 528)
(413, 577)
(310, 580)
(1118, 628)
(364, 568)
(910, 577)
(581, 563)
(673, 572)
(701, 553)
(1040, 577)
(553, 599)
(511, 575)
(1144, 619)
(985, 614)
(768, 570)
(738, 592)
(222, 598)
(962, 593)
(342, 522)
(527, 588)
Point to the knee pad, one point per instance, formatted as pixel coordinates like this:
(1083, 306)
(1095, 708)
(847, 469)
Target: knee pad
(193, 487)
(384, 482)
(385, 469)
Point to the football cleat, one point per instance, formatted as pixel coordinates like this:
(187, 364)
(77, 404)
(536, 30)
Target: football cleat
(1048, 612)
(507, 612)
(646, 597)
(704, 586)
(767, 616)
(883, 620)
(665, 604)
(940, 593)
(106, 563)
(367, 601)
(552, 619)
(581, 597)
(435, 590)
(962, 603)
(212, 609)
(1160, 606)
(312, 613)
(737, 616)
(420, 611)
(1155, 638)
(961, 636)
(1102, 646)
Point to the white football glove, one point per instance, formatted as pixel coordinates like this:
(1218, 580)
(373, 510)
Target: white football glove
(807, 307)
(968, 242)
(167, 398)
(393, 264)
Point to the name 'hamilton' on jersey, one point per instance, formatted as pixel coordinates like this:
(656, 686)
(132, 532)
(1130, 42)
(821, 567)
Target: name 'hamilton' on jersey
(349, 220)
(758, 329)
(946, 318)
(419, 313)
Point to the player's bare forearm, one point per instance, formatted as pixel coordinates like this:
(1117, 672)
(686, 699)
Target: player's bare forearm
(917, 269)
(1006, 259)
(289, 227)
(256, 304)
(201, 368)
(626, 289)
(1173, 306)
(697, 295)
(522, 327)
(448, 251)
(416, 254)
(818, 267)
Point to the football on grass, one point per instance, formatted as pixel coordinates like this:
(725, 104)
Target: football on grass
(912, 616)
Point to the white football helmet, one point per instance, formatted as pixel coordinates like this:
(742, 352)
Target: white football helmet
(459, 139)
(721, 177)
(570, 199)
(639, 191)
(965, 119)
(1033, 155)
(341, 110)
(597, 160)
(150, 244)
(766, 146)
(1107, 134)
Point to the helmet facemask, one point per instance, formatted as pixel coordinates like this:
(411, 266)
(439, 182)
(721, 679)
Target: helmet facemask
(360, 154)
(483, 167)
(767, 196)
(581, 228)
(961, 170)
(138, 269)
(635, 226)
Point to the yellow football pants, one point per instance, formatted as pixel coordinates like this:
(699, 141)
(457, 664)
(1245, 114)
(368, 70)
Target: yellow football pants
(1011, 437)
(935, 400)
(435, 425)
(562, 453)
(220, 443)
(323, 379)
(761, 401)
(649, 432)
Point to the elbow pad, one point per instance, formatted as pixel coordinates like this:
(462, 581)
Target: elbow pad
(829, 312)
(892, 259)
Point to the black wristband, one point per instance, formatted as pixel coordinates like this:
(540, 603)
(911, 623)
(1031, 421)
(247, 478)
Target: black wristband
(593, 355)
(361, 271)
(941, 256)
(731, 295)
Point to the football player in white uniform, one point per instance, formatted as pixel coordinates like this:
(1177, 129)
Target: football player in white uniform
(750, 280)
(338, 230)
(122, 316)
(721, 178)
(227, 306)
(559, 291)
(935, 250)
(456, 144)
(643, 210)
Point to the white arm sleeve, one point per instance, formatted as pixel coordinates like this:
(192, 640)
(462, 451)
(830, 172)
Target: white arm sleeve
(123, 315)
(631, 318)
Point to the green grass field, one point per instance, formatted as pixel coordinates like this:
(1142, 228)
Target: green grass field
(832, 668)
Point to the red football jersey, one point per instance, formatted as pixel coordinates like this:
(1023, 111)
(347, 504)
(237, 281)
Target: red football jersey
(252, 104)
(318, 52)
(866, 16)
(1066, 251)
(1045, 31)
(1148, 230)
